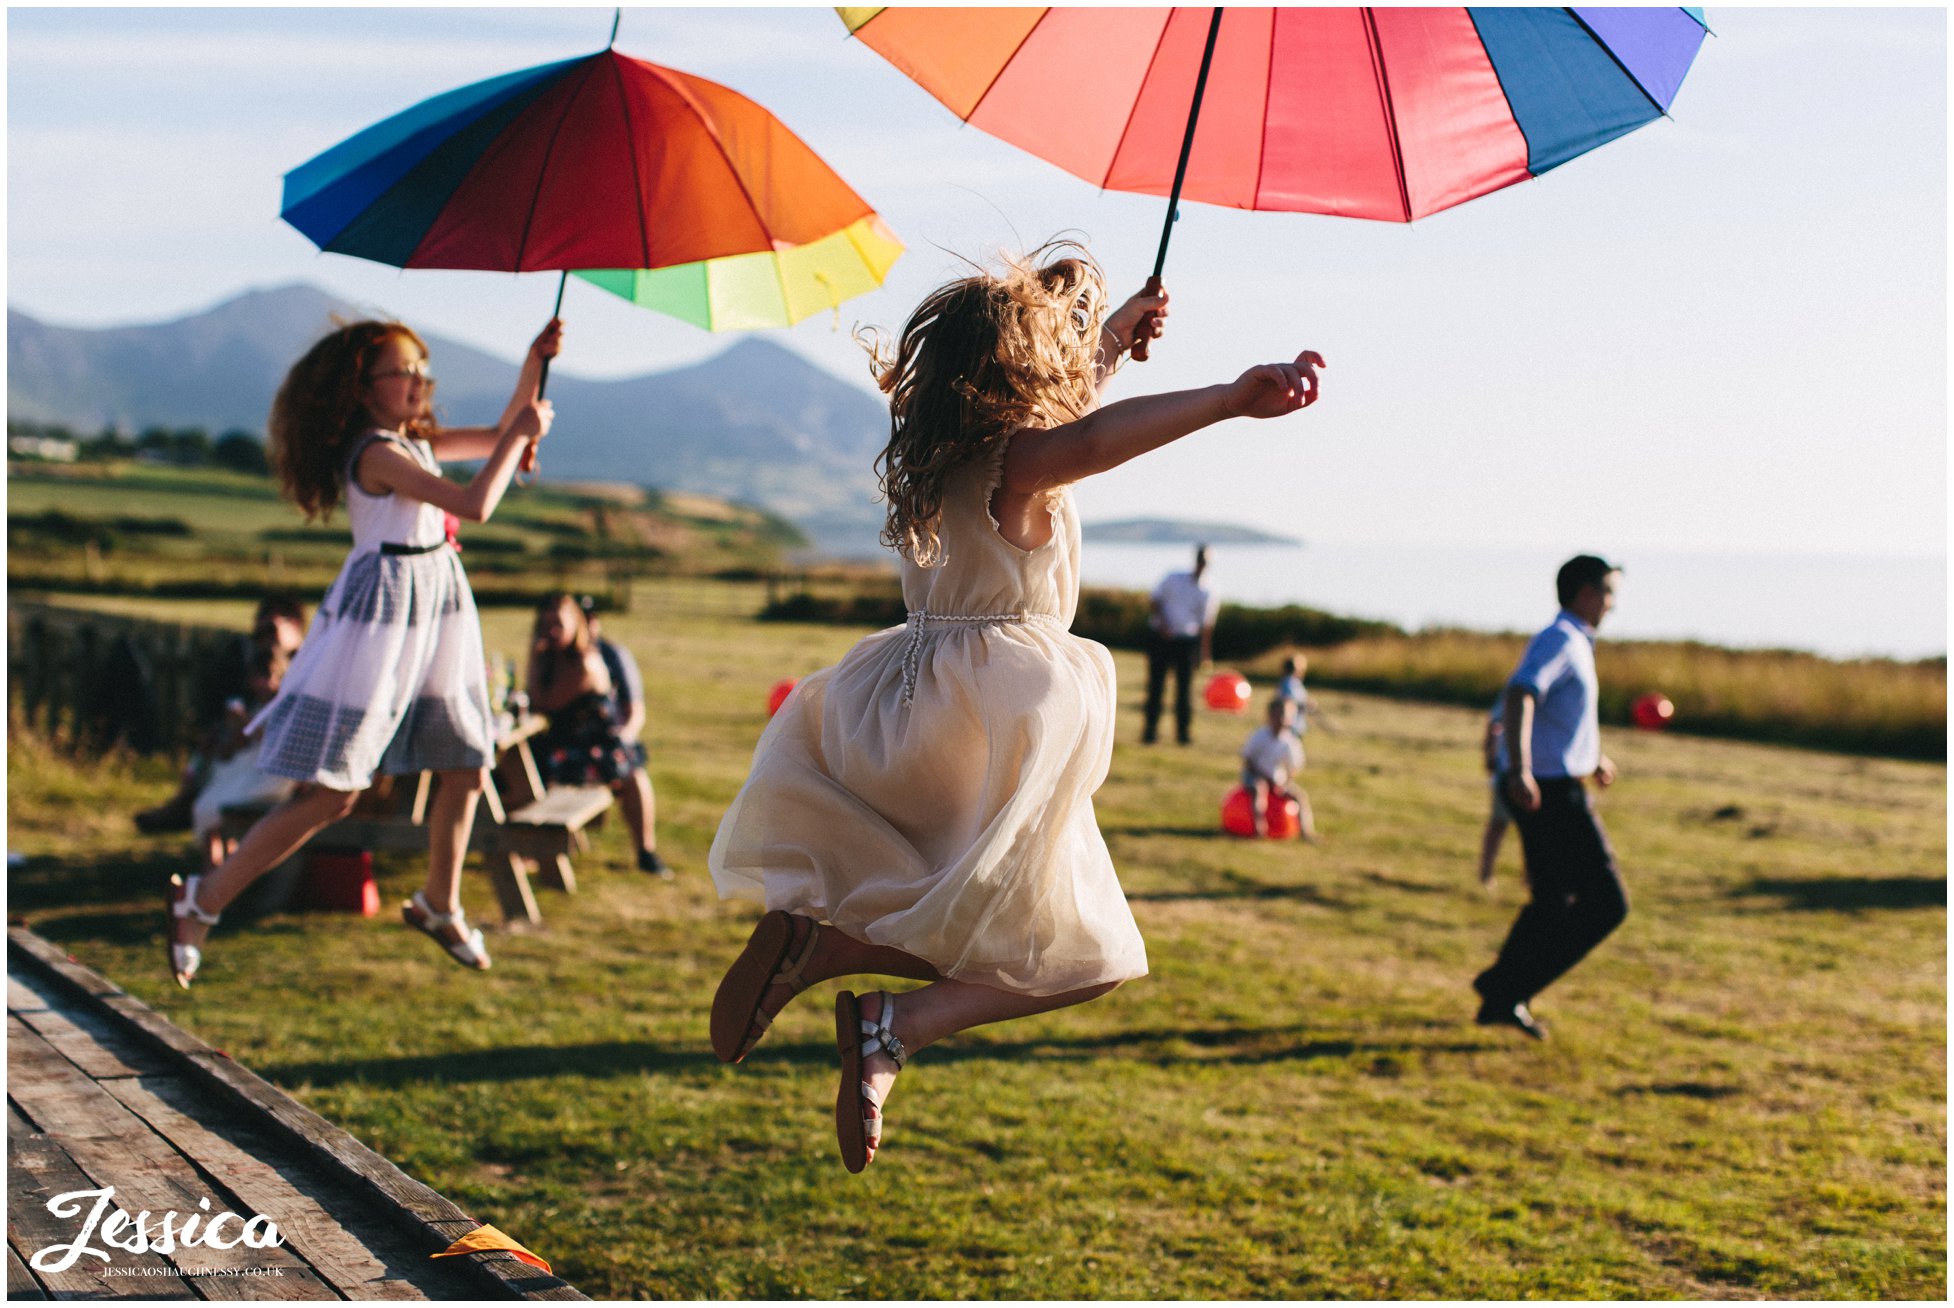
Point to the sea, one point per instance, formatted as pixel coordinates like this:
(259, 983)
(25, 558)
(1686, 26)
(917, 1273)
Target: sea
(1840, 607)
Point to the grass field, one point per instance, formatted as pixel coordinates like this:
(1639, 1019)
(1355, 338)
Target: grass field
(1744, 1095)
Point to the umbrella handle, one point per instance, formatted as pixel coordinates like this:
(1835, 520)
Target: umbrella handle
(1142, 334)
(528, 463)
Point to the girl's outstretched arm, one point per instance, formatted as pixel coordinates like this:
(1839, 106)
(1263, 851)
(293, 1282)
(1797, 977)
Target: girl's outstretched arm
(1041, 458)
(469, 443)
(385, 469)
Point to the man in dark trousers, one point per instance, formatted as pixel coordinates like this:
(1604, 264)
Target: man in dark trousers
(1180, 629)
(1550, 747)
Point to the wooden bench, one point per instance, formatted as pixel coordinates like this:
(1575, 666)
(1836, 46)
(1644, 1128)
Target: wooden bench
(543, 831)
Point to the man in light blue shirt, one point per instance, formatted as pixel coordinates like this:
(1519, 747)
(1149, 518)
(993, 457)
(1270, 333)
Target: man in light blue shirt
(1550, 745)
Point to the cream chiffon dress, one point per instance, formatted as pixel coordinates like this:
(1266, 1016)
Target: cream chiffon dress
(933, 790)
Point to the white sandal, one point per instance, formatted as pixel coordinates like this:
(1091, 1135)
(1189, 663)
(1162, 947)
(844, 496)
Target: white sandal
(858, 1118)
(468, 951)
(185, 959)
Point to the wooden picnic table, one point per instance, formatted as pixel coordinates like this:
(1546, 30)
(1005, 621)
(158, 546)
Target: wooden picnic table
(521, 825)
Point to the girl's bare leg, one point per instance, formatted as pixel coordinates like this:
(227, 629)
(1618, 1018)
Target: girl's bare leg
(836, 955)
(271, 840)
(924, 1016)
(450, 819)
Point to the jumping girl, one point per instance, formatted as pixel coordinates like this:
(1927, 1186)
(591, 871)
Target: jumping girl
(391, 676)
(923, 809)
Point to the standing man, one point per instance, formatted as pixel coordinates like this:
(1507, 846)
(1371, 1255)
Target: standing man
(1550, 746)
(1180, 628)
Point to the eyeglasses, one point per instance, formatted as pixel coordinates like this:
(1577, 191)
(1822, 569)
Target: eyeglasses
(418, 372)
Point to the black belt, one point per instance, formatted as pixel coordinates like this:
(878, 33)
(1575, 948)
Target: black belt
(389, 547)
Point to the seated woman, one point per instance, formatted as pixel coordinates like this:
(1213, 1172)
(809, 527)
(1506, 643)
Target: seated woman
(583, 746)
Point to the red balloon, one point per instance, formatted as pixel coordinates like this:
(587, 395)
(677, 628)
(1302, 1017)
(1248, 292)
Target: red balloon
(1652, 711)
(778, 695)
(1238, 815)
(1228, 692)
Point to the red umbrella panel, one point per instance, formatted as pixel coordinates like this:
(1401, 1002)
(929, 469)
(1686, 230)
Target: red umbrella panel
(1382, 113)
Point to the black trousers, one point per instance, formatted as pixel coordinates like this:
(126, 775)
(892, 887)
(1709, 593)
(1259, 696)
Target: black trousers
(1177, 653)
(1577, 895)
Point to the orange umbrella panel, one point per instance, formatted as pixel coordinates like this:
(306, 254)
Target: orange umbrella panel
(600, 162)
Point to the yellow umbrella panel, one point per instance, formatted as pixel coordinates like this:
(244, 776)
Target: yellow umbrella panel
(776, 288)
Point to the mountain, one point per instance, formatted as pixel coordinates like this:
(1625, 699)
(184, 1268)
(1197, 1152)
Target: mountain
(755, 423)
(1173, 531)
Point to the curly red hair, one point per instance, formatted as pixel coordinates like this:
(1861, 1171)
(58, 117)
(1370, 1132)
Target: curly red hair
(320, 409)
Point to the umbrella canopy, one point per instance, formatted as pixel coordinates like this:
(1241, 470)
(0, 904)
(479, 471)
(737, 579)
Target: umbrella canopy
(600, 162)
(1378, 113)
(744, 291)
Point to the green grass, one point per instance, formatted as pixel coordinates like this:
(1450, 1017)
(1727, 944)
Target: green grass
(1744, 1096)
(1872, 706)
(243, 536)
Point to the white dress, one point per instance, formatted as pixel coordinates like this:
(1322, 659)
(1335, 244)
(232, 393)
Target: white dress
(933, 790)
(390, 677)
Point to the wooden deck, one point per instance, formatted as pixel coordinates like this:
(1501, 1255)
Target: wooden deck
(103, 1091)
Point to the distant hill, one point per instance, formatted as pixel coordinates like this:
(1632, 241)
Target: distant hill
(1172, 531)
(756, 423)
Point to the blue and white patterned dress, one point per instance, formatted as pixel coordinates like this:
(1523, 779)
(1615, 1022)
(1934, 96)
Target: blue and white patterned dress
(391, 675)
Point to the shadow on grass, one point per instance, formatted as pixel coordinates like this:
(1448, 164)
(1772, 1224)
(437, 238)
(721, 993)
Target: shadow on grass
(1683, 1090)
(1237, 886)
(1142, 829)
(614, 1058)
(1848, 893)
(119, 900)
(73, 883)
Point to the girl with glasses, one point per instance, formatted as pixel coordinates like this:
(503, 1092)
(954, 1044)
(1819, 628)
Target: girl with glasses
(391, 675)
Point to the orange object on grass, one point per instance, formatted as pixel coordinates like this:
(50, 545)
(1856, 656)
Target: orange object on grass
(1285, 816)
(486, 1239)
(1228, 692)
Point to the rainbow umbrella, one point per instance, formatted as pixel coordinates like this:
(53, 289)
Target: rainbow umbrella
(596, 164)
(1380, 113)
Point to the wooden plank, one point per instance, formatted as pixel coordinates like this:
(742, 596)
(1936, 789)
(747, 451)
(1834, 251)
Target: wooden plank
(20, 1282)
(21, 999)
(115, 1147)
(38, 1169)
(317, 1218)
(567, 806)
(91, 1041)
(428, 1216)
(438, 1217)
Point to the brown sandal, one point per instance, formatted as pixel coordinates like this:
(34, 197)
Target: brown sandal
(738, 1021)
(858, 1108)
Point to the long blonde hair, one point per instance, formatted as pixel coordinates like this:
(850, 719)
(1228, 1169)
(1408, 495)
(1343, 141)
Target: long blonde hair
(981, 357)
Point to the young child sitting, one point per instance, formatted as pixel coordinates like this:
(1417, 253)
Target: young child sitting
(235, 777)
(1271, 758)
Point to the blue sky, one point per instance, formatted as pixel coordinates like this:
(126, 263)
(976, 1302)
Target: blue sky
(1724, 332)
